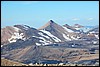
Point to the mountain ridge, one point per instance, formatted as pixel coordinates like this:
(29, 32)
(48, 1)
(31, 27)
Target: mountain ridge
(53, 42)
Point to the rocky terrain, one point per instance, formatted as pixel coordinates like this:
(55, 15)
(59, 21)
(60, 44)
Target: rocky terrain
(51, 44)
(6, 62)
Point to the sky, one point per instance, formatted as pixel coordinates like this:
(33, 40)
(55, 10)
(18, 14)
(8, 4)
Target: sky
(37, 13)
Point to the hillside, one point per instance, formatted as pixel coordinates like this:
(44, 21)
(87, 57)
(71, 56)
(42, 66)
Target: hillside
(5, 62)
(50, 44)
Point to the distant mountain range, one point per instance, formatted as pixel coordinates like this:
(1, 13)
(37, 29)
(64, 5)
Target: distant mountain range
(49, 33)
(25, 44)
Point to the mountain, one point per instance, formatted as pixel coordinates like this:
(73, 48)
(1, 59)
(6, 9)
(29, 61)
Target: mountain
(48, 44)
(50, 33)
(53, 33)
(70, 29)
(23, 32)
(54, 29)
(94, 32)
(77, 26)
(6, 33)
(58, 31)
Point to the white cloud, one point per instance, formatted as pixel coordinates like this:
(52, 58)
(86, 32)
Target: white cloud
(75, 19)
(90, 19)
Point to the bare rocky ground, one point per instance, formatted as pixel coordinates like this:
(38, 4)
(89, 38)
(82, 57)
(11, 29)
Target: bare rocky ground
(53, 54)
(74, 56)
(5, 62)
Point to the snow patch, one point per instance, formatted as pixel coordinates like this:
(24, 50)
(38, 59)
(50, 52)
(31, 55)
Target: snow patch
(38, 44)
(74, 38)
(18, 36)
(69, 30)
(67, 38)
(1, 45)
(92, 32)
(77, 28)
(94, 42)
(43, 35)
(73, 45)
(25, 27)
(51, 35)
(35, 36)
(43, 41)
(61, 63)
(16, 29)
(11, 41)
(84, 29)
(15, 37)
(31, 64)
(42, 38)
(97, 36)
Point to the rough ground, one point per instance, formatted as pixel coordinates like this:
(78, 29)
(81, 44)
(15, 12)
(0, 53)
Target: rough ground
(5, 62)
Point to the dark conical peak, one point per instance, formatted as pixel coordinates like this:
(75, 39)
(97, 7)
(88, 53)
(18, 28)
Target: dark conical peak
(51, 21)
(66, 25)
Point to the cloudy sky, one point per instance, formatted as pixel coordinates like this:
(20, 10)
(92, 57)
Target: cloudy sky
(37, 13)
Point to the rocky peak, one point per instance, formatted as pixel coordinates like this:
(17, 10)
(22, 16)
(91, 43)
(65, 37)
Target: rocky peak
(49, 23)
(66, 25)
(77, 26)
(25, 27)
